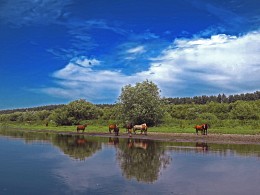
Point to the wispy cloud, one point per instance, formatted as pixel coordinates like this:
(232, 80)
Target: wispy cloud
(222, 63)
(136, 50)
(26, 12)
(83, 37)
(233, 17)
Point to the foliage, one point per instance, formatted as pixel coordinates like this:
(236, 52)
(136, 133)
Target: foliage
(75, 112)
(218, 99)
(244, 110)
(141, 103)
(39, 108)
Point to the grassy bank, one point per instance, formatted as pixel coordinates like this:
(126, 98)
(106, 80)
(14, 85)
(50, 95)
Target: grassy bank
(101, 128)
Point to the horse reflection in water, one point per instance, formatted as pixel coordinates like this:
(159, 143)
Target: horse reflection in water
(80, 141)
(142, 144)
(202, 147)
(113, 141)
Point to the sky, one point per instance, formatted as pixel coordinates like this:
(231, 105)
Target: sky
(55, 52)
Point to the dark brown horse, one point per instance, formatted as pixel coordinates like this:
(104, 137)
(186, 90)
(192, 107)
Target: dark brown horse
(113, 127)
(203, 128)
(129, 127)
(81, 128)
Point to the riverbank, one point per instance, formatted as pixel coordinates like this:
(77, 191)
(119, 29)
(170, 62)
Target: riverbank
(173, 137)
(234, 138)
(185, 137)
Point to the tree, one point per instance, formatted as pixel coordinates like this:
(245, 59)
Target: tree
(83, 110)
(244, 110)
(141, 103)
(75, 112)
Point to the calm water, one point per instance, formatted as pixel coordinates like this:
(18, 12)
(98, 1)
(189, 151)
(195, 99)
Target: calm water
(44, 163)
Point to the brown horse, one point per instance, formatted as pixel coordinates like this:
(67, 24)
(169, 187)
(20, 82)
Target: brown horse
(81, 128)
(203, 128)
(129, 127)
(113, 127)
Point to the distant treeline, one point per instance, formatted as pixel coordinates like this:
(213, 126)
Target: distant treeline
(39, 108)
(177, 101)
(219, 99)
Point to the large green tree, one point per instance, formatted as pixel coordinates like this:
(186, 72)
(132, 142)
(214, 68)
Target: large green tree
(141, 103)
(75, 112)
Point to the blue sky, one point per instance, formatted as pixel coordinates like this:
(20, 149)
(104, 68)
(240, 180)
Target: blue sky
(54, 52)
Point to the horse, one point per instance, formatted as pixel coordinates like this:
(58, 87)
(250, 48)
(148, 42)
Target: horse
(81, 127)
(203, 128)
(129, 127)
(113, 127)
(143, 127)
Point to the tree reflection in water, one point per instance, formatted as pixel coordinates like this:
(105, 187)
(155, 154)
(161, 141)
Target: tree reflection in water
(77, 147)
(142, 159)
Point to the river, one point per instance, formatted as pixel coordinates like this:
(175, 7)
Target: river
(50, 163)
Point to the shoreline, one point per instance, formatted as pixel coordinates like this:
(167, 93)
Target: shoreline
(184, 137)
(210, 138)
(171, 137)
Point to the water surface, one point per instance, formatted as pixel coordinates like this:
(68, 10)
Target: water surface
(46, 163)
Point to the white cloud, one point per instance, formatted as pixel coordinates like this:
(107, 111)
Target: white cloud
(220, 64)
(135, 50)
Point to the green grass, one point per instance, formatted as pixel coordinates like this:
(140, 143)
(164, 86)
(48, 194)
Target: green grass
(188, 128)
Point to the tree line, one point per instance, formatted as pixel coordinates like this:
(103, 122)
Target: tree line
(142, 103)
(220, 98)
